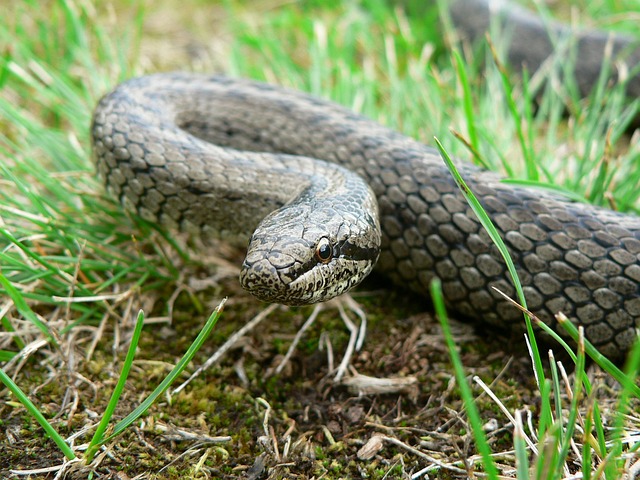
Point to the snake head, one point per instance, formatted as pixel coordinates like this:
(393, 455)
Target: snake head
(300, 255)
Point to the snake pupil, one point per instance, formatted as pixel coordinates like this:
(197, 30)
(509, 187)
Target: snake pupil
(324, 252)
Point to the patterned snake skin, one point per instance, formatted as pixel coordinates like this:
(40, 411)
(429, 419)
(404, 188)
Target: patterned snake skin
(217, 155)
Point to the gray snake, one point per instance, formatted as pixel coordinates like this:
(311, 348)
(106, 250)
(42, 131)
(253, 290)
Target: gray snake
(229, 157)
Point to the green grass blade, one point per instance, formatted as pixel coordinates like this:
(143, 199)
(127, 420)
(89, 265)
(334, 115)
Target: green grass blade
(548, 187)
(546, 415)
(98, 436)
(567, 435)
(465, 390)
(24, 309)
(631, 369)
(555, 384)
(527, 152)
(604, 363)
(6, 355)
(586, 445)
(177, 370)
(35, 413)
(467, 102)
(486, 222)
(520, 446)
(598, 425)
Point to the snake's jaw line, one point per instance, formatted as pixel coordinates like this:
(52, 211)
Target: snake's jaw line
(322, 283)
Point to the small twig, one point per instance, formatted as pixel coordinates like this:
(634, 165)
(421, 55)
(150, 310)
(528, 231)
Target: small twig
(326, 341)
(351, 346)
(504, 410)
(179, 434)
(296, 340)
(357, 334)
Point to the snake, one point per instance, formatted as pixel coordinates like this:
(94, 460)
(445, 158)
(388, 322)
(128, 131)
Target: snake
(320, 195)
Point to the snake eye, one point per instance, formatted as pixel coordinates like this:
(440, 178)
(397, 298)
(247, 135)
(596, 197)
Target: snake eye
(324, 252)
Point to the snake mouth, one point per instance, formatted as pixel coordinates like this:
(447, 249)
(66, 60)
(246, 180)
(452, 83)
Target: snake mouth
(271, 295)
(270, 289)
(319, 284)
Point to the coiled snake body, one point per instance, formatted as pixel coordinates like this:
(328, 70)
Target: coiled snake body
(218, 155)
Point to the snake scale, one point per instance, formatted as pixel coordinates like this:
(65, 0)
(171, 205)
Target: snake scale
(229, 157)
